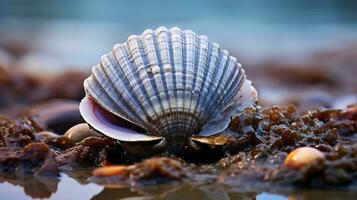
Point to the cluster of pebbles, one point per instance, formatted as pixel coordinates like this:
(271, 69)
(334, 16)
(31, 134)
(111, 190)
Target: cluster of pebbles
(256, 145)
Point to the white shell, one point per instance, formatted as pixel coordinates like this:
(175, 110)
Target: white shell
(170, 82)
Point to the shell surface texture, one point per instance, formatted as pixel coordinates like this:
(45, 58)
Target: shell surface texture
(165, 85)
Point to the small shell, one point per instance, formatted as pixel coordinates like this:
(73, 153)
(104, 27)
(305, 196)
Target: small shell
(169, 84)
(303, 156)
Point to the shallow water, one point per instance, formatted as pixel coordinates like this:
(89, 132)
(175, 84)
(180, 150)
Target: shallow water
(70, 188)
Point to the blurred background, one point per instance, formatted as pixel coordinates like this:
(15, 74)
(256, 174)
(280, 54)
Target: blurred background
(301, 52)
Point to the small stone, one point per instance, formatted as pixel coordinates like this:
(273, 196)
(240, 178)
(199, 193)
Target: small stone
(57, 115)
(154, 169)
(303, 156)
(79, 132)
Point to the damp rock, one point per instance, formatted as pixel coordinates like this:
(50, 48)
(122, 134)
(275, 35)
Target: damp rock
(152, 171)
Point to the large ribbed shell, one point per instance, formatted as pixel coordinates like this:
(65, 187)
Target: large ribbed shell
(171, 83)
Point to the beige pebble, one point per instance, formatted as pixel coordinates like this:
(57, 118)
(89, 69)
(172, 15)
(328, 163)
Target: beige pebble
(303, 156)
(79, 132)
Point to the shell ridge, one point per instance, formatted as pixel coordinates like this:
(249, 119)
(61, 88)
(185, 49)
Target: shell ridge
(223, 69)
(164, 55)
(232, 81)
(171, 60)
(146, 62)
(189, 54)
(213, 67)
(115, 75)
(196, 65)
(194, 96)
(207, 60)
(138, 61)
(219, 122)
(177, 50)
(95, 86)
(215, 91)
(184, 68)
(190, 40)
(161, 63)
(201, 73)
(101, 80)
(233, 76)
(90, 87)
(127, 107)
(234, 87)
(184, 86)
(122, 62)
(105, 70)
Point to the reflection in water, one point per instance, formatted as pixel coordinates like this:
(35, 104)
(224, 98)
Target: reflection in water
(67, 188)
(33, 187)
(77, 187)
(171, 192)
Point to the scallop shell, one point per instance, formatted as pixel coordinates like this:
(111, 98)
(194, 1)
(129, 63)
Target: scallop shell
(170, 83)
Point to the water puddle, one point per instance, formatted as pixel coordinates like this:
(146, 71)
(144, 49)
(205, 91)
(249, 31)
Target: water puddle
(70, 188)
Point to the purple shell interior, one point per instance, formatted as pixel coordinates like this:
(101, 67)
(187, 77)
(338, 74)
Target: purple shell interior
(111, 125)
